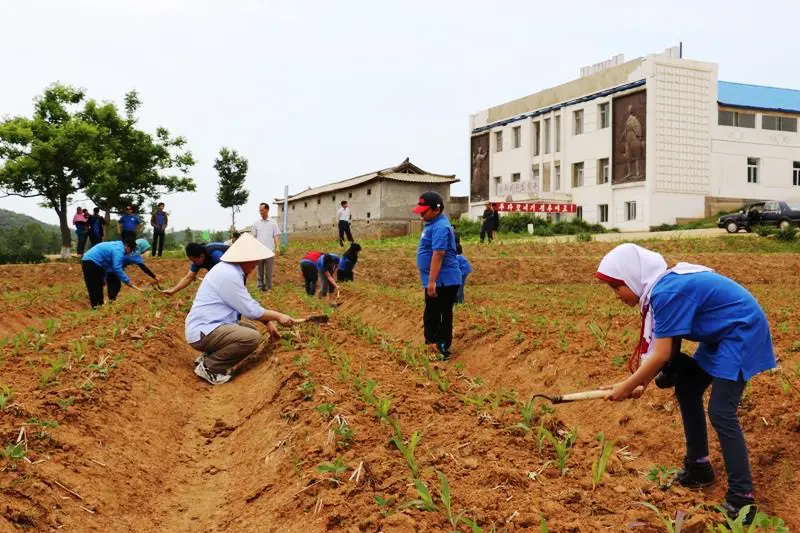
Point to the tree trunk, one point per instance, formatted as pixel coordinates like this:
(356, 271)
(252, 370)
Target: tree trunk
(66, 233)
(233, 219)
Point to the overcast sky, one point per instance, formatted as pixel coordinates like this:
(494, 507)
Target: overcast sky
(317, 91)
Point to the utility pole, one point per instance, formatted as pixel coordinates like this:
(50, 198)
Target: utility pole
(285, 236)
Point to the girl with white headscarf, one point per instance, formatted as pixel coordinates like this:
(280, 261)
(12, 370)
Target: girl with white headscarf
(695, 303)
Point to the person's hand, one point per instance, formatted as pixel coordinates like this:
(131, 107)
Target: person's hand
(273, 331)
(134, 287)
(285, 320)
(623, 390)
(168, 292)
(431, 290)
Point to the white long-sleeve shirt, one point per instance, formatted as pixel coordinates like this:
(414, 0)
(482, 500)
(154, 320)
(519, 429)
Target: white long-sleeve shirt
(222, 296)
(343, 214)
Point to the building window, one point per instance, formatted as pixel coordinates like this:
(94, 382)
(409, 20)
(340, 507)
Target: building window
(602, 171)
(558, 133)
(796, 174)
(537, 137)
(369, 192)
(579, 212)
(535, 177)
(305, 204)
(292, 207)
(517, 132)
(497, 181)
(349, 195)
(774, 122)
(369, 214)
(752, 170)
(319, 201)
(737, 119)
(577, 174)
(498, 141)
(630, 211)
(577, 122)
(602, 110)
(557, 177)
(515, 177)
(602, 213)
(547, 135)
(333, 198)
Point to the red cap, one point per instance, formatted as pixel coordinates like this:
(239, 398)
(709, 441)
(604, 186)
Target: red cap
(427, 201)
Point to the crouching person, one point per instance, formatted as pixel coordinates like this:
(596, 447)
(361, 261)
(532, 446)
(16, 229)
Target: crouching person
(212, 325)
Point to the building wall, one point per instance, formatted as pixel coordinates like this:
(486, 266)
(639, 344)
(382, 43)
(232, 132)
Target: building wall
(318, 212)
(398, 198)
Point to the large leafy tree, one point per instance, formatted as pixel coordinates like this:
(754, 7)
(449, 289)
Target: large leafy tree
(47, 155)
(232, 170)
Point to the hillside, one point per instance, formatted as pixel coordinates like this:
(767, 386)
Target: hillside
(13, 220)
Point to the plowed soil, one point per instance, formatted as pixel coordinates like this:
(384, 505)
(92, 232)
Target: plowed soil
(106, 428)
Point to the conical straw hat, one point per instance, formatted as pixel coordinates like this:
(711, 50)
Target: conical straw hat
(246, 248)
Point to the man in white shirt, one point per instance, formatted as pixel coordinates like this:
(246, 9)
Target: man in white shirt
(267, 232)
(212, 325)
(343, 216)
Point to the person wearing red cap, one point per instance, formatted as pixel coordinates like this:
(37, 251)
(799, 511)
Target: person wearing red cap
(439, 272)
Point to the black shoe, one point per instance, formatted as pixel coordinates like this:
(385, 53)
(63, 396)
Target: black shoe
(665, 379)
(444, 351)
(734, 504)
(695, 475)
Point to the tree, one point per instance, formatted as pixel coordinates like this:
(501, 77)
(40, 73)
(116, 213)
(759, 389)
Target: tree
(45, 156)
(232, 170)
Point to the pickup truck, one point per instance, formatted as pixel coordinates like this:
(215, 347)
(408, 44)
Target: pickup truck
(771, 213)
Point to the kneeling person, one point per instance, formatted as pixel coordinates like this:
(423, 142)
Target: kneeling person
(202, 256)
(212, 325)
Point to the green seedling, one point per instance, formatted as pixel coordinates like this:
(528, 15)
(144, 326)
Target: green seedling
(49, 376)
(519, 338)
(15, 452)
(307, 388)
(79, 349)
(336, 467)
(425, 500)
(383, 409)
(66, 403)
(43, 426)
(407, 449)
(100, 342)
(527, 413)
(299, 361)
(598, 334)
(670, 525)
(344, 435)
(562, 447)
(543, 526)
(368, 392)
(383, 502)
(619, 361)
(662, 475)
(599, 465)
(51, 326)
(326, 410)
(5, 396)
(761, 522)
(39, 342)
(447, 501)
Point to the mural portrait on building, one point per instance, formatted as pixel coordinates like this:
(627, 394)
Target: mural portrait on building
(629, 142)
(479, 170)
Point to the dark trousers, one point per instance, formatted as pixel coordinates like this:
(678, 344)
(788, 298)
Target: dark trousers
(93, 276)
(438, 317)
(158, 243)
(81, 242)
(310, 275)
(460, 294)
(114, 285)
(344, 228)
(486, 230)
(128, 235)
(95, 239)
(344, 275)
(722, 405)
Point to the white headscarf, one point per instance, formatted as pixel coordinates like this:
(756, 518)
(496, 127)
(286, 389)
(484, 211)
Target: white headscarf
(640, 269)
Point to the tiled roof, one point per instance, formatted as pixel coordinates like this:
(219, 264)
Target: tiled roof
(758, 96)
(406, 171)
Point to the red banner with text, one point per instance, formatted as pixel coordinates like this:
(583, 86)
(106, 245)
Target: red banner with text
(529, 207)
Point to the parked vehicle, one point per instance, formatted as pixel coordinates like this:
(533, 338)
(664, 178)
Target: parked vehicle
(772, 213)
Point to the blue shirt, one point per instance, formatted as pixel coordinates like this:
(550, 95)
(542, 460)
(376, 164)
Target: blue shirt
(721, 315)
(464, 265)
(109, 256)
(437, 235)
(321, 261)
(129, 222)
(346, 264)
(142, 246)
(212, 257)
(132, 259)
(221, 299)
(159, 216)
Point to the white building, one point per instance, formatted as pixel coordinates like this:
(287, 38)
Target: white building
(639, 143)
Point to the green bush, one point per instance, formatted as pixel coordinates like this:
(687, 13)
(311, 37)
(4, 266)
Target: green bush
(21, 256)
(787, 235)
(518, 223)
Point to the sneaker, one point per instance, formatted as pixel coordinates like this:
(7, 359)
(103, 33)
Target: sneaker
(199, 359)
(444, 351)
(734, 504)
(695, 475)
(214, 379)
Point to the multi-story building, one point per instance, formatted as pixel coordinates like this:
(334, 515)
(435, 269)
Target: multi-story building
(639, 143)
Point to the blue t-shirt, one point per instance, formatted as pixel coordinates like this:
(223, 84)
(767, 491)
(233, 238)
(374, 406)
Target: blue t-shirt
(159, 216)
(142, 246)
(437, 235)
(109, 256)
(346, 264)
(132, 259)
(721, 315)
(129, 222)
(464, 265)
(217, 250)
(321, 261)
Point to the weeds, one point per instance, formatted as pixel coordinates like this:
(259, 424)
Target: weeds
(307, 389)
(326, 410)
(662, 475)
(66, 403)
(5, 396)
(15, 452)
(599, 465)
(335, 468)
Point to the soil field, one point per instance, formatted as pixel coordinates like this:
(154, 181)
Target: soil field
(352, 426)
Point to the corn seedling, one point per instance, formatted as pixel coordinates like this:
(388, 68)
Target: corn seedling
(425, 500)
(49, 376)
(761, 522)
(662, 475)
(5, 396)
(670, 525)
(526, 411)
(100, 342)
(79, 349)
(619, 361)
(51, 326)
(598, 334)
(39, 342)
(447, 501)
(543, 526)
(66, 403)
(368, 392)
(43, 426)
(335, 468)
(383, 408)
(599, 465)
(407, 449)
(343, 434)
(562, 447)
(326, 410)
(307, 388)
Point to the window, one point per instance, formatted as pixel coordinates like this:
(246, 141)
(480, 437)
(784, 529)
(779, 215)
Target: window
(579, 212)
(369, 192)
(577, 122)
(602, 213)
(517, 132)
(602, 110)
(547, 135)
(535, 176)
(292, 207)
(305, 204)
(498, 141)
(577, 174)
(498, 180)
(630, 210)
(369, 214)
(349, 195)
(752, 170)
(333, 198)
(537, 137)
(773, 122)
(515, 177)
(557, 177)
(602, 171)
(737, 119)
(796, 174)
(319, 201)
(558, 133)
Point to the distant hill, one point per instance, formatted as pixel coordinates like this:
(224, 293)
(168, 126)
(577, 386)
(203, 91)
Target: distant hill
(12, 220)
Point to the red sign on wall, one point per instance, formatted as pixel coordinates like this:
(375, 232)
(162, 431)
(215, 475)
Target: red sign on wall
(527, 207)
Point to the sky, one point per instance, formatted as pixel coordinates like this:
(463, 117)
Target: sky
(317, 91)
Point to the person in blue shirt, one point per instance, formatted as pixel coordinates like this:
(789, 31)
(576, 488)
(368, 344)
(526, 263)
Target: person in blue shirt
(112, 280)
(105, 258)
(695, 303)
(466, 269)
(348, 262)
(439, 272)
(327, 265)
(128, 224)
(142, 247)
(202, 256)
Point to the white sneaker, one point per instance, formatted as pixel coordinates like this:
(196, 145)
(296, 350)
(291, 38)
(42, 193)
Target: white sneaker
(199, 359)
(214, 379)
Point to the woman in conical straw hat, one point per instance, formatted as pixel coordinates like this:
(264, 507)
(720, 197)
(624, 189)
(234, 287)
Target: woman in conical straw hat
(212, 325)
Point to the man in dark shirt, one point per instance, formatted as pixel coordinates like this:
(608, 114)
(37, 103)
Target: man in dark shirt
(95, 225)
(488, 223)
(159, 221)
(201, 256)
